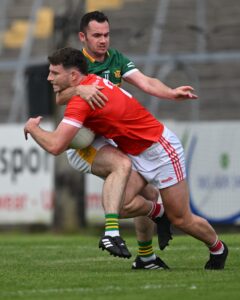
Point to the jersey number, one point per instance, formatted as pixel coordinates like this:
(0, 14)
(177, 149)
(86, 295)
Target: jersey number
(111, 85)
(108, 83)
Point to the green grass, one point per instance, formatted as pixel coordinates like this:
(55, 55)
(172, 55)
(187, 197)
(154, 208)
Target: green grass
(44, 266)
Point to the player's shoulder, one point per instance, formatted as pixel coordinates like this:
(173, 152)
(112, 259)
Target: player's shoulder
(112, 52)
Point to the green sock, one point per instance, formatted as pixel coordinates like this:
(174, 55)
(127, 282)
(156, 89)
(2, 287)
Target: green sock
(145, 251)
(112, 224)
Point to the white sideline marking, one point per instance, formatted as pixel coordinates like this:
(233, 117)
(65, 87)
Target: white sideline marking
(162, 286)
(81, 290)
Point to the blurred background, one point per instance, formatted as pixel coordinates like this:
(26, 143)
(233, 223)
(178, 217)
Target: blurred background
(188, 42)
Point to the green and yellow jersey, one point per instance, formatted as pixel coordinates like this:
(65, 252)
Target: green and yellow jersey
(114, 67)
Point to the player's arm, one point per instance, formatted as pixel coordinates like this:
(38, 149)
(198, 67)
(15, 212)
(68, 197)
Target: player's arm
(156, 88)
(54, 142)
(90, 93)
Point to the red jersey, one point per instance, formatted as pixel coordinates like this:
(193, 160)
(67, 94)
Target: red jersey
(123, 119)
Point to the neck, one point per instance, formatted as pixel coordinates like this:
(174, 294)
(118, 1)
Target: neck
(82, 78)
(94, 56)
(100, 59)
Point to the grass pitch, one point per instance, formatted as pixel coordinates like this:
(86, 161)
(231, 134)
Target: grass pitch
(43, 266)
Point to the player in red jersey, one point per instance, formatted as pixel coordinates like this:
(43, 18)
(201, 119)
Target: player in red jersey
(128, 123)
(155, 151)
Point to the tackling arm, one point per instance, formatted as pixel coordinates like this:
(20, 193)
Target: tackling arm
(64, 96)
(90, 93)
(156, 88)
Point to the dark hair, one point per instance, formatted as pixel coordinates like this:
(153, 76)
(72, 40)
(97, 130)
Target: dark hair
(69, 57)
(92, 16)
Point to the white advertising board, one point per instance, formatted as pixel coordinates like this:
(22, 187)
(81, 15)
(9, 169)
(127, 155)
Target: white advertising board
(26, 178)
(212, 151)
(93, 192)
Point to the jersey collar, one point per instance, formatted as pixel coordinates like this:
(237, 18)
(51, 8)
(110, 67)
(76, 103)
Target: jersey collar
(87, 55)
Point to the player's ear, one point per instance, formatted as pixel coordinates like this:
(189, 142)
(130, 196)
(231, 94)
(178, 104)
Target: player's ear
(75, 75)
(81, 36)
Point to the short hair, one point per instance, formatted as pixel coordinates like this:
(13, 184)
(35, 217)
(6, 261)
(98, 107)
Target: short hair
(69, 57)
(96, 15)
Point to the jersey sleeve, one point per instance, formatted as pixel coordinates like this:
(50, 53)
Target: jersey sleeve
(76, 112)
(128, 67)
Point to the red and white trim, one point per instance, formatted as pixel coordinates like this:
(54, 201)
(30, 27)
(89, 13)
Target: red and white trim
(173, 157)
(72, 122)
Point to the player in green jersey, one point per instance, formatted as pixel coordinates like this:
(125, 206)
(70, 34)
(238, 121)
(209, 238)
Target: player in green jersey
(114, 67)
(111, 64)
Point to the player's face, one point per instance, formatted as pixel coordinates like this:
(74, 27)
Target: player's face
(59, 78)
(96, 39)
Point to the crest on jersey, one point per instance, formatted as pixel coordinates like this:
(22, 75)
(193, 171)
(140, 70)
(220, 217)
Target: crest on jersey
(117, 74)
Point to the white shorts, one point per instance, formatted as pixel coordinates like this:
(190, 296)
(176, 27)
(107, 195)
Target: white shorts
(162, 164)
(81, 160)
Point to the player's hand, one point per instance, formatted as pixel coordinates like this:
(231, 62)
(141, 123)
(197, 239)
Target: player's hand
(183, 93)
(32, 122)
(92, 94)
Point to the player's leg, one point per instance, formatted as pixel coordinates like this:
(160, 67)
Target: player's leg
(165, 168)
(175, 197)
(136, 205)
(112, 164)
(93, 160)
(144, 227)
(97, 161)
(146, 258)
(116, 167)
(164, 229)
(176, 203)
(106, 161)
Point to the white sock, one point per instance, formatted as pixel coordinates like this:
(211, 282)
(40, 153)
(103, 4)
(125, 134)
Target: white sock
(148, 258)
(112, 233)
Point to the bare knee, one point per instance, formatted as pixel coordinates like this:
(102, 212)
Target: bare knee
(108, 160)
(181, 221)
(121, 165)
(178, 222)
(127, 210)
(150, 192)
(138, 206)
(125, 164)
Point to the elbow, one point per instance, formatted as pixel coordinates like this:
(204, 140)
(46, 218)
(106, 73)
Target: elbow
(55, 153)
(56, 150)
